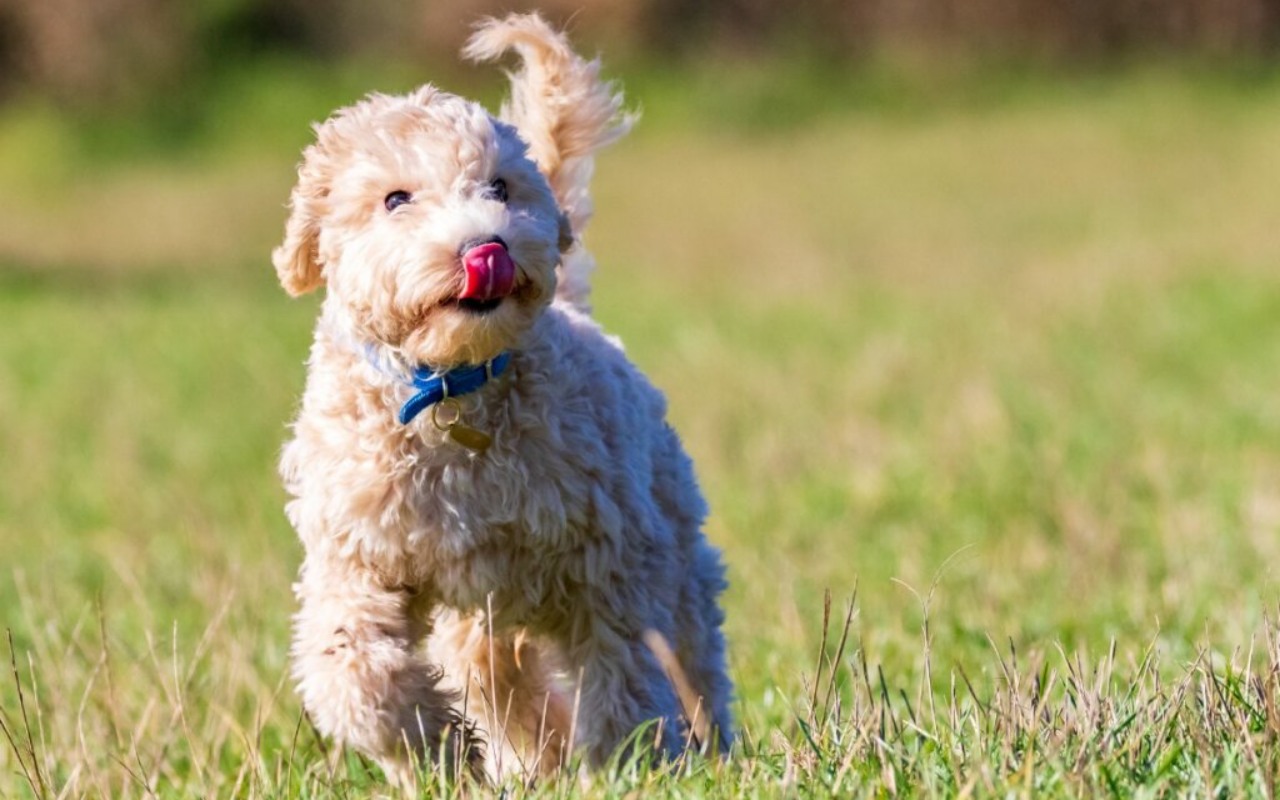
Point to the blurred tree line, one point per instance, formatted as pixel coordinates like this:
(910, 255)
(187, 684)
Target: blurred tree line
(90, 53)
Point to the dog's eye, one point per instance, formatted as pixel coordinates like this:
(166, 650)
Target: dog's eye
(396, 199)
(496, 190)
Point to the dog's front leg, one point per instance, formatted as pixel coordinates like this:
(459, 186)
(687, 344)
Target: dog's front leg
(626, 698)
(359, 676)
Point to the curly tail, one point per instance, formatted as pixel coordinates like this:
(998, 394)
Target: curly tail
(565, 112)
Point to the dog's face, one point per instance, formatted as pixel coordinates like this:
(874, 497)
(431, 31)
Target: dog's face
(434, 232)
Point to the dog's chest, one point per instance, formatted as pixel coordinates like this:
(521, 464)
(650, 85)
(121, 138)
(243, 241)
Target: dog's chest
(502, 528)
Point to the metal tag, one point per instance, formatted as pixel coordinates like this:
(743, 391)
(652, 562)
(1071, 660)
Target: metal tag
(470, 438)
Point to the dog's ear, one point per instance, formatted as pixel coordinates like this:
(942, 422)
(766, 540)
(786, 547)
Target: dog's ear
(562, 108)
(297, 259)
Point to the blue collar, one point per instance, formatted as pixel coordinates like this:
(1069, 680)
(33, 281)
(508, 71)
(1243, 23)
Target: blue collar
(434, 386)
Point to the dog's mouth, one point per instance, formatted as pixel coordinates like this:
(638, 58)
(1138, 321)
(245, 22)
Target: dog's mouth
(476, 306)
(488, 271)
(489, 276)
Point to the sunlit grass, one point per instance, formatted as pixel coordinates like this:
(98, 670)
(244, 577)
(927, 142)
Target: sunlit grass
(1007, 367)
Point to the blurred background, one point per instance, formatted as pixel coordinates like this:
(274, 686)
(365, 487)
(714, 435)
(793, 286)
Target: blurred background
(971, 306)
(96, 54)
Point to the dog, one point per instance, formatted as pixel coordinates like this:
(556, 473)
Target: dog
(504, 558)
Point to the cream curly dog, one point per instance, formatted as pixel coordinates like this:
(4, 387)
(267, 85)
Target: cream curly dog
(504, 556)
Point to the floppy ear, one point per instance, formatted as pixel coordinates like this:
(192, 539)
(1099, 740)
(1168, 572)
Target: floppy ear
(297, 259)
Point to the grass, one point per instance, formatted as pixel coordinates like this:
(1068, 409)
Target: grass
(1003, 369)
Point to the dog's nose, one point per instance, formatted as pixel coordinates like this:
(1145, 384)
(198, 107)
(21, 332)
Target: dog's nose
(490, 272)
(471, 244)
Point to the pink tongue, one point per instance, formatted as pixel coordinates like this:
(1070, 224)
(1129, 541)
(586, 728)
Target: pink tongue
(490, 272)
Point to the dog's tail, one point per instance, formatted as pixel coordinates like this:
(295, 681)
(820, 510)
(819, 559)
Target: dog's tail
(565, 112)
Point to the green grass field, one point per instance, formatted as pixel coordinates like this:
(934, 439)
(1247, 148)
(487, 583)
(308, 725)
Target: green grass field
(1005, 368)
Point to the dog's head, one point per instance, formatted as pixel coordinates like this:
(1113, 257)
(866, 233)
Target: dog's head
(434, 232)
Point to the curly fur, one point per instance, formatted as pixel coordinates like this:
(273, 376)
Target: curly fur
(467, 603)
